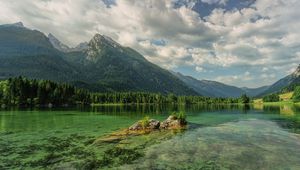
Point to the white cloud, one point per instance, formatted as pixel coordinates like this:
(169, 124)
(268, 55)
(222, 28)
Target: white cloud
(264, 35)
(266, 76)
(236, 79)
(200, 69)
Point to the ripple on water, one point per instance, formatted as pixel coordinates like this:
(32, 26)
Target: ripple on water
(249, 144)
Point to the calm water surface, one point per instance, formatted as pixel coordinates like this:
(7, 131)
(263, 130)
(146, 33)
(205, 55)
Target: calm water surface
(219, 137)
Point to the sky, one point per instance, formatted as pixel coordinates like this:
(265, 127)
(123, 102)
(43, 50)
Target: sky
(246, 43)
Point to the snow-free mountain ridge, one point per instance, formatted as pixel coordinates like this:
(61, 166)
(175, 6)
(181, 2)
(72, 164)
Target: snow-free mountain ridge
(104, 65)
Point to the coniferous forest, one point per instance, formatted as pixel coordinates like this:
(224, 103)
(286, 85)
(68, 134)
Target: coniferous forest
(21, 91)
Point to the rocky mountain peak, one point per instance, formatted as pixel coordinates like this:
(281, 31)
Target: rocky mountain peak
(101, 40)
(98, 44)
(57, 44)
(52, 36)
(64, 48)
(81, 46)
(18, 24)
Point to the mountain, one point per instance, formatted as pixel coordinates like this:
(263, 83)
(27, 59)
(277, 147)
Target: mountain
(81, 46)
(287, 82)
(16, 40)
(29, 53)
(217, 89)
(57, 44)
(210, 88)
(101, 65)
(108, 64)
(254, 91)
(64, 48)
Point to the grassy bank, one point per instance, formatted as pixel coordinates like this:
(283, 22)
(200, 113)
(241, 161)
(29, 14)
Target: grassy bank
(285, 99)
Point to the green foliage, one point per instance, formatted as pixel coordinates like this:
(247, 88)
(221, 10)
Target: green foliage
(25, 92)
(296, 95)
(244, 99)
(145, 122)
(271, 98)
(181, 115)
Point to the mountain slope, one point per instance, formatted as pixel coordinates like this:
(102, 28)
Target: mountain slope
(287, 82)
(100, 65)
(119, 68)
(210, 88)
(254, 91)
(217, 89)
(25, 52)
(16, 40)
(57, 44)
(64, 48)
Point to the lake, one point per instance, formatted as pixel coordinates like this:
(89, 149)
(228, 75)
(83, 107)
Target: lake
(218, 137)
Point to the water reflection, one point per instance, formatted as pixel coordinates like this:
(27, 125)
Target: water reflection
(166, 109)
(30, 119)
(286, 109)
(289, 115)
(250, 144)
(224, 136)
(140, 109)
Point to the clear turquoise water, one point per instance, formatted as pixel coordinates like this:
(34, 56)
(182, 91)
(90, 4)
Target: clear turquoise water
(219, 137)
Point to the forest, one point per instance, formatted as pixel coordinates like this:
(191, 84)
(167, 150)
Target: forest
(21, 91)
(271, 98)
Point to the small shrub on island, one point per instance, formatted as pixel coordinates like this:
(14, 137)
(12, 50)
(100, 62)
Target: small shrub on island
(182, 116)
(145, 122)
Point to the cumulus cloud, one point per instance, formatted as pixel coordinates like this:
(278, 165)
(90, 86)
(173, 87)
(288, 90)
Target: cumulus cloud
(223, 2)
(234, 79)
(262, 37)
(200, 69)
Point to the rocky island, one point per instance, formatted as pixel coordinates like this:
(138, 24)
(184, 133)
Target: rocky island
(176, 121)
(172, 122)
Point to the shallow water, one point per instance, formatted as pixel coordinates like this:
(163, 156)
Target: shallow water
(219, 137)
(247, 144)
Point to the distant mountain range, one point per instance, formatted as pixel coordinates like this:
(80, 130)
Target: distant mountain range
(104, 65)
(217, 89)
(253, 92)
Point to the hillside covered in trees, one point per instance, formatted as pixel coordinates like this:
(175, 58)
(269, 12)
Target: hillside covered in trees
(21, 91)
